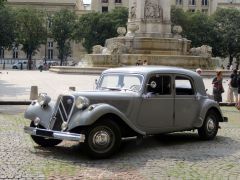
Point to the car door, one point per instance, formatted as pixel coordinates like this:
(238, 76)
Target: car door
(186, 105)
(156, 111)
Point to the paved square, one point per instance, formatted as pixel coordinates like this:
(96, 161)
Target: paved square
(176, 156)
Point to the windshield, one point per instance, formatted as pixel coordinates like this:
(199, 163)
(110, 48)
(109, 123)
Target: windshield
(132, 82)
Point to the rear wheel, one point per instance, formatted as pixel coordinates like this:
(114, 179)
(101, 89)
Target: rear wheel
(44, 142)
(103, 139)
(209, 128)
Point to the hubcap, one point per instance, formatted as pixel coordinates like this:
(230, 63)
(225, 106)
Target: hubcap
(101, 138)
(210, 125)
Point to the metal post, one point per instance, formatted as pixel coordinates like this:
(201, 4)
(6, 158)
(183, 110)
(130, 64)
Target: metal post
(34, 93)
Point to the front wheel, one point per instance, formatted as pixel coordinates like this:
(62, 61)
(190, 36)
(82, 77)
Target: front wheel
(103, 139)
(209, 128)
(44, 142)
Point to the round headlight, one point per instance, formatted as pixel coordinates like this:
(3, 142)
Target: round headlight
(82, 102)
(43, 99)
(36, 121)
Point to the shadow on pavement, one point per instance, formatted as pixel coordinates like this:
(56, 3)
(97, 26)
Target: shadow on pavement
(11, 89)
(177, 146)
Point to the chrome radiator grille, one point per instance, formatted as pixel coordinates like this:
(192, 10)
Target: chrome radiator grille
(62, 112)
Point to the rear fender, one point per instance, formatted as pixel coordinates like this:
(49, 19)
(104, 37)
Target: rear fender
(205, 108)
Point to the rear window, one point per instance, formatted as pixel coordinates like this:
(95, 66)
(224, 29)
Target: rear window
(183, 86)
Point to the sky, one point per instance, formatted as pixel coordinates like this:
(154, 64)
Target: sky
(87, 1)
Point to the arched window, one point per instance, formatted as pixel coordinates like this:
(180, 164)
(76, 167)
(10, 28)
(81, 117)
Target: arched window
(192, 2)
(204, 2)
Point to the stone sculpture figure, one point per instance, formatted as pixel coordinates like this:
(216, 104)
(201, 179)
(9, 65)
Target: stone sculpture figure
(132, 13)
(203, 51)
(152, 9)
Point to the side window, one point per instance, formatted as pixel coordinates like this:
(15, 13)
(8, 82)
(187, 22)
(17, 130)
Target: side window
(183, 86)
(159, 84)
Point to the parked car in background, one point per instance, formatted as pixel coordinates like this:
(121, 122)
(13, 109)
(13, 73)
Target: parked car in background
(48, 64)
(17, 65)
(128, 102)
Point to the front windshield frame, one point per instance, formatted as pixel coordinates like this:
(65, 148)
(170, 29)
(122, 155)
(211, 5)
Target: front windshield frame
(120, 88)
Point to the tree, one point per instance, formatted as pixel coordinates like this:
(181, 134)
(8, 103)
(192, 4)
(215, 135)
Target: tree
(179, 17)
(95, 28)
(63, 24)
(31, 31)
(227, 30)
(197, 26)
(2, 2)
(200, 29)
(7, 27)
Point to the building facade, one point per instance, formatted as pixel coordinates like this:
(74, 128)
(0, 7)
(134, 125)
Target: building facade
(49, 50)
(205, 6)
(108, 5)
(229, 4)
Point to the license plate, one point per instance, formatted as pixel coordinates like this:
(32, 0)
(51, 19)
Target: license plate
(44, 133)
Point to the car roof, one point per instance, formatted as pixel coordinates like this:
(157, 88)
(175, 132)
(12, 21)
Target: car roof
(151, 69)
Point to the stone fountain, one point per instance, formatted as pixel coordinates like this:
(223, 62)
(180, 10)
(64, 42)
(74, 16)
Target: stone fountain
(149, 36)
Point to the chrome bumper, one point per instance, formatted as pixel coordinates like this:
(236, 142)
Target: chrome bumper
(54, 134)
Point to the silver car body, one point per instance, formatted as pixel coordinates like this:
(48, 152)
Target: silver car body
(144, 114)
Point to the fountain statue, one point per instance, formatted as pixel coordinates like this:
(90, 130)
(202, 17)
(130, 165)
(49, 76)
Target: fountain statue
(149, 36)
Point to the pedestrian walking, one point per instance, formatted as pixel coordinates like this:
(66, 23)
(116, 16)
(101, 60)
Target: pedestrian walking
(233, 87)
(238, 102)
(218, 87)
(199, 71)
(139, 62)
(145, 63)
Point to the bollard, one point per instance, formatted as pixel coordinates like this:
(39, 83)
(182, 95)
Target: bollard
(34, 93)
(71, 88)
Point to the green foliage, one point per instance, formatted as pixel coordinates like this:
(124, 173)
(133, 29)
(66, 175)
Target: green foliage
(197, 26)
(221, 30)
(2, 2)
(31, 31)
(199, 29)
(63, 24)
(7, 27)
(95, 28)
(179, 17)
(227, 30)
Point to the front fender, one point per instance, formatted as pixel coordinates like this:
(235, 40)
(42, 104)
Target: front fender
(94, 112)
(35, 110)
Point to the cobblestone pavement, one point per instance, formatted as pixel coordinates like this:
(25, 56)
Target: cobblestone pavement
(176, 156)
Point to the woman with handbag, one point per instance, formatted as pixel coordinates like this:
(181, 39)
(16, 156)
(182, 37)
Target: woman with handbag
(218, 87)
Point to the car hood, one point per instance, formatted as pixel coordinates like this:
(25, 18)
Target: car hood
(119, 99)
